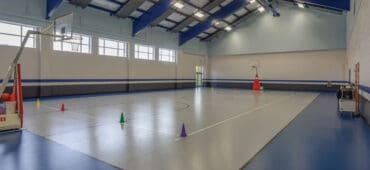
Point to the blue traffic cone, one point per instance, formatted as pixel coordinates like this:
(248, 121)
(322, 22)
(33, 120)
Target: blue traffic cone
(183, 131)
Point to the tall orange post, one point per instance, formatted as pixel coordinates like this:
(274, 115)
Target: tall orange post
(19, 93)
(357, 88)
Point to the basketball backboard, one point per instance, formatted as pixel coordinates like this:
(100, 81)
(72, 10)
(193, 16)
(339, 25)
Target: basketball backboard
(63, 27)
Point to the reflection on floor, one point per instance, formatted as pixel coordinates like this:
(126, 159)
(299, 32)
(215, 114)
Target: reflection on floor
(23, 150)
(318, 139)
(226, 127)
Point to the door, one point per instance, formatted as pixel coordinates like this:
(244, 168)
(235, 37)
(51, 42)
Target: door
(199, 76)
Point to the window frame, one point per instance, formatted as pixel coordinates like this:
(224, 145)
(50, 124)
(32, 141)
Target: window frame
(80, 43)
(138, 52)
(32, 38)
(125, 49)
(161, 55)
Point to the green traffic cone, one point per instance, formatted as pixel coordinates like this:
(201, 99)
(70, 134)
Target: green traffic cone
(122, 120)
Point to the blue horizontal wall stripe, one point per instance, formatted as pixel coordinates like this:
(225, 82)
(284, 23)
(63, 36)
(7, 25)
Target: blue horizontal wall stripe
(144, 80)
(334, 4)
(300, 81)
(92, 80)
(365, 88)
(362, 87)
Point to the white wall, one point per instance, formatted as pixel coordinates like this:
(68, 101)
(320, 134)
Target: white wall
(359, 41)
(50, 64)
(295, 30)
(44, 63)
(314, 65)
(301, 44)
(30, 62)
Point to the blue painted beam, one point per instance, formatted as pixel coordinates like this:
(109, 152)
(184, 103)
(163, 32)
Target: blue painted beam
(343, 5)
(203, 26)
(51, 6)
(147, 18)
(268, 5)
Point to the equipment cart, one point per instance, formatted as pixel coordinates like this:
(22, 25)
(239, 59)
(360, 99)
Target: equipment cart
(346, 99)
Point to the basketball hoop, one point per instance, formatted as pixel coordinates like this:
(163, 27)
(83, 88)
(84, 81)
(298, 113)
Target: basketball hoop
(62, 30)
(254, 65)
(63, 27)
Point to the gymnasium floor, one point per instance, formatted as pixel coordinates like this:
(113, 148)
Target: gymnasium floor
(226, 129)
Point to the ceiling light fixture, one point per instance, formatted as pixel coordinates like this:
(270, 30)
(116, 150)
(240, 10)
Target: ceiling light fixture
(252, 1)
(300, 5)
(199, 14)
(179, 5)
(216, 22)
(261, 9)
(228, 28)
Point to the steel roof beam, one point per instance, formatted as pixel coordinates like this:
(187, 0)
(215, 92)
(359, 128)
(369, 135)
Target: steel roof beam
(162, 17)
(268, 5)
(80, 3)
(51, 6)
(343, 5)
(222, 13)
(331, 6)
(237, 21)
(151, 15)
(129, 7)
(190, 19)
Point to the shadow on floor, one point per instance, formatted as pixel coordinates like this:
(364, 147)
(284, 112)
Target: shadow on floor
(318, 139)
(22, 150)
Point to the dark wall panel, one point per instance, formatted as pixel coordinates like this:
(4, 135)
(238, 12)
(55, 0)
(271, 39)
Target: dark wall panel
(301, 87)
(65, 90)
(151, 86)
(297, 87)
(185, 85)
(230, 85)
(365, 109)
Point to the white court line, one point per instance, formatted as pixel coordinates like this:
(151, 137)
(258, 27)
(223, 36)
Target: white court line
(232, 118)
(87, 115)
(149, 129)
(97, 123)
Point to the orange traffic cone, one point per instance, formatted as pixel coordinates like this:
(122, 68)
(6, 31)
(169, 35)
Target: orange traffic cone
(62, 108)
(256, 83)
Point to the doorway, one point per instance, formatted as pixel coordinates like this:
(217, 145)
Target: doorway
(199, 76)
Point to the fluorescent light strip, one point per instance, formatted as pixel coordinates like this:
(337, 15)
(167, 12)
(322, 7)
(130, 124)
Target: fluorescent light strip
(261, 9)
(300, 5)
(228, 28)
(179, 5)
(216, 22)
(199, 14)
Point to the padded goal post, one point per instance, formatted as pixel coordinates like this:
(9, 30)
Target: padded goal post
(13, 118)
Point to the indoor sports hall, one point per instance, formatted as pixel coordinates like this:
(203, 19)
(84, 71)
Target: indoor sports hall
(184, 84)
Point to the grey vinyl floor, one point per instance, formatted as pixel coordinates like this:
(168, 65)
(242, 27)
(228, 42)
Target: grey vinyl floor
(225, 127)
